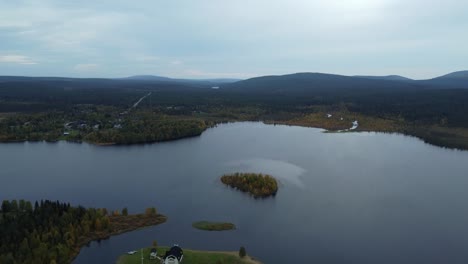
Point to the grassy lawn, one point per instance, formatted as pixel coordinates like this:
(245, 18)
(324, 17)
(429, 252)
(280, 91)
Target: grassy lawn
(213, 226)
(72, 134)
(190, 257)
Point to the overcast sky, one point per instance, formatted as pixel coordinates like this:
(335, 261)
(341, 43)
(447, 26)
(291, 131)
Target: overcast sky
(238, 38)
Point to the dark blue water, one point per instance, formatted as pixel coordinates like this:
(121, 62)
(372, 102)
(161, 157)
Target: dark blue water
(344, 198)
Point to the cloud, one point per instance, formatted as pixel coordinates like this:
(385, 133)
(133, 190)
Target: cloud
(146, 58)
(176, 62)
(286, 172)
(242, 37)
(86, 67)
(17, 59)
(205, 74)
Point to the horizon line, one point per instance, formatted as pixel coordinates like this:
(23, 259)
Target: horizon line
(223, 78)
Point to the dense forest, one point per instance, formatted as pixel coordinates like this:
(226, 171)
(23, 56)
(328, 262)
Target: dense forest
(258, 185)
(100, 111)
(53, 232)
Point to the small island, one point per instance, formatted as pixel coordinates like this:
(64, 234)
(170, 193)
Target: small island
(213, 226)
(258, 185)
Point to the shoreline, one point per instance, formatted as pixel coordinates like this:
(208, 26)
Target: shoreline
(423, 133)
(124, 224)
(223, 256)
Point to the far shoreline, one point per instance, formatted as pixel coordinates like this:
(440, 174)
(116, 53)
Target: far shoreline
(417, 133)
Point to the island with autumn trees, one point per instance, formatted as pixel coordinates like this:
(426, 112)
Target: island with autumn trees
(54, 232)
(258, 185)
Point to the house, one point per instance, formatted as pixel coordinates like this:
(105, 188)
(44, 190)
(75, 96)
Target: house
(66, 133)
(153, 253)
(174, 255)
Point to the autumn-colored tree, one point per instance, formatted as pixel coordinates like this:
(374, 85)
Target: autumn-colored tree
(104, 211)
(105, 222)
(150, 211)
(97, 225)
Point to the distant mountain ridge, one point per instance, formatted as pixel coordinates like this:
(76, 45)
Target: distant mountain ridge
(168, 79)
(296, 83)
(455, 75)
(309, 82)
(457, 79)
(388, 77)
(306, 83)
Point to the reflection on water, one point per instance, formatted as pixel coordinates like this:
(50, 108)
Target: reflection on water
(281, 170)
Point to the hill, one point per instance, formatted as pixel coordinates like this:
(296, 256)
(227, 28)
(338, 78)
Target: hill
(195, 82)
(458, 80)
(461, 75)
(313, 83)
(387, 78)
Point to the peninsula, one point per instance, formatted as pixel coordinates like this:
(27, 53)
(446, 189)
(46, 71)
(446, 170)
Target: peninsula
(54, 232)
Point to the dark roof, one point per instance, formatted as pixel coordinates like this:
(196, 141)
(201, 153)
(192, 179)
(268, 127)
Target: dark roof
(153, 250)
(174, 251)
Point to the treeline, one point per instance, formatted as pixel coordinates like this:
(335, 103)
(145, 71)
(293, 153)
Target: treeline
(100, 124)
(42, 126)
(146, 131)
(175, 111)
(258, 185)
(51, 231)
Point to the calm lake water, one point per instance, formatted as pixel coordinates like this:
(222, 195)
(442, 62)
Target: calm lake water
(343, 198)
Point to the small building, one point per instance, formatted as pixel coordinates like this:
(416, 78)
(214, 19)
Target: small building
(174, 255)
(66, 133)
(153, 253)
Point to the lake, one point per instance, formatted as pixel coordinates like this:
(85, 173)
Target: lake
(343, 198)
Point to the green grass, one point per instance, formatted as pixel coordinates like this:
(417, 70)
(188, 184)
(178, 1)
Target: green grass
(190, 257)
(213, 226)
(72, 134)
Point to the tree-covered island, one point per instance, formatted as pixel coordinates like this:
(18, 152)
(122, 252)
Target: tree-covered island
(258, 185)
